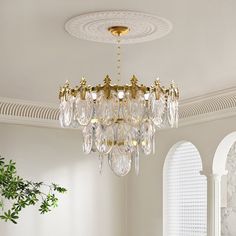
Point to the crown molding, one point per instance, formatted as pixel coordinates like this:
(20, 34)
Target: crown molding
(17, 111)
(217, 105)
(27, 102)
(211, 95)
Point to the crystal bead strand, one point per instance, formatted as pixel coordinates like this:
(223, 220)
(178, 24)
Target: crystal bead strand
(118, 54)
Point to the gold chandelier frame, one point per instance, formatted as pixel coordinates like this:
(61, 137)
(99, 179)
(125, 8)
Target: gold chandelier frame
(107, 87)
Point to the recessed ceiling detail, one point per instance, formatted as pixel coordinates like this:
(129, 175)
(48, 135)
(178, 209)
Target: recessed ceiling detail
(142, 26)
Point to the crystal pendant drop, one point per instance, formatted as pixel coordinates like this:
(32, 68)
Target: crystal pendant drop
(87, 139)
(66, 112)
(107, 109)
(176, 114)
(172, 112)
(133, 108)
(61, 113)
(104, 138)
(84, 109)
(136, 160)
(147, 132)
(157, 109)
(100, 159)
(120, 163)
(125, 137)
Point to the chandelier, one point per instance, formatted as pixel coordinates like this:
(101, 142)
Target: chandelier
(119, 121)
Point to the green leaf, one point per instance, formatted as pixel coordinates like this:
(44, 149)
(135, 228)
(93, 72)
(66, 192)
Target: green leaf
(22, 193)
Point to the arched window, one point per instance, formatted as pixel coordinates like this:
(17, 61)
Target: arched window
(220, 191)
(228, 210)
(185, 192)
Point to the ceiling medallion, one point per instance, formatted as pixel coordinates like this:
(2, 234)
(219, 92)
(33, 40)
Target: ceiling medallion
(143, 27)
(119, 121)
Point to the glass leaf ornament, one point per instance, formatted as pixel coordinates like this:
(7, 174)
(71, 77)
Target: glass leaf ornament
(147, 132)
(107, 109)
(61, 113)
(136, 160)
(104, 138)
(176, 104)
(172, 112)
(172, 105)
(100, 159)
(66, 112)
(125, 137)
(87, 138)
(133, 108)
(120, 163)
(157, 109)
(83, 109)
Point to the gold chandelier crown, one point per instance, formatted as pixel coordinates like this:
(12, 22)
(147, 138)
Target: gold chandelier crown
(65, 91)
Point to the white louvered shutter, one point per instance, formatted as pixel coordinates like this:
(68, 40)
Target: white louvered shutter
(185, 193)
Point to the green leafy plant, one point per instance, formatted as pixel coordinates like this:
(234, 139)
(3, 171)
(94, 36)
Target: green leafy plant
(18, 193)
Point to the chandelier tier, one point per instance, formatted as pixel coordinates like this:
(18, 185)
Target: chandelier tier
(119, 121)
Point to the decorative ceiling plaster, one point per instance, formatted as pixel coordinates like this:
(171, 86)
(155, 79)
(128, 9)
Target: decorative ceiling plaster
(94, 26)
(216, 105)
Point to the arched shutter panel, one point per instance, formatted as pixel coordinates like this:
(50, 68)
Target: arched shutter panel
(185, 193)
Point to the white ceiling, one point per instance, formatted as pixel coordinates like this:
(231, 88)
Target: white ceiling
(37, 55)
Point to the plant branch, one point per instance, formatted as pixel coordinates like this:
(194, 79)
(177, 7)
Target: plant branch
(21, 193)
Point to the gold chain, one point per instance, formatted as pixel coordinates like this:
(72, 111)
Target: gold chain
(118, 60)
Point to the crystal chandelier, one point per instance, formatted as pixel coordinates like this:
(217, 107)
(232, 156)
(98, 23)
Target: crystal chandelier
(119, 121)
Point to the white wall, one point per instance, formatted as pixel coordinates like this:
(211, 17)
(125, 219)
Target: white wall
(94, 205)
(145, 204)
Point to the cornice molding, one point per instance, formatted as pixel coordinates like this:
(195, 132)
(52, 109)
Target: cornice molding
(18, 111)
(217, 105)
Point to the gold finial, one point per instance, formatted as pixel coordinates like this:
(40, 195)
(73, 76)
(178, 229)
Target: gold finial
(177, 93)
(82, 88)
(83, 81)
(107, 87)
(67, 84)
(172, 84)
(61, 92)
(173, 91)
(64, 90)
(158, 89)
(107, 80)
(134, 86)
(134, 80)
(157, 82)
